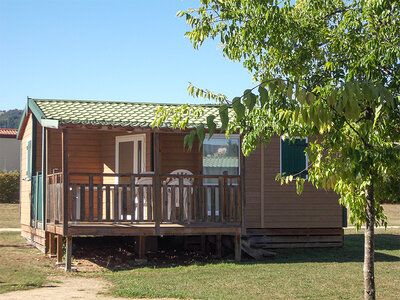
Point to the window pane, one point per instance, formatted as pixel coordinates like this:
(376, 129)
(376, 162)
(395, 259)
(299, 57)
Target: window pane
(219, 155)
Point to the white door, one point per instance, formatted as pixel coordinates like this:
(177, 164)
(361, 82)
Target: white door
(130, 155)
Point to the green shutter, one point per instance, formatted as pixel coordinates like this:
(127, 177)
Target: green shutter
(293, 157)
(29, 160)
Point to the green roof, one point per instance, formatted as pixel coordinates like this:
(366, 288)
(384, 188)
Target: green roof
(108, 113)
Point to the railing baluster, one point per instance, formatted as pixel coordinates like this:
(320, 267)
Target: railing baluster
(228, 200)
(91, 198)
(149, 202)
(205, 203)
(133, 198)
(196, 202)
(189, 203)
(108, 202)
(140, 202)
(99, 202)
(173, 205)
(235, 191)
(124, 202)
(73, 202)
(82, 193)
(212, 204)
(115, 207)
(221, 199)
(165, 212)
(181, 208)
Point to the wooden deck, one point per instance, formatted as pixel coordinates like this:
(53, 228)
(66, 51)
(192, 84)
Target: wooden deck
(131, 206)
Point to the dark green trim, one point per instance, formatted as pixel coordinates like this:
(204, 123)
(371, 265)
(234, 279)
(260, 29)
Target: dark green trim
(25, 113)
(36, 110)
(34, 145)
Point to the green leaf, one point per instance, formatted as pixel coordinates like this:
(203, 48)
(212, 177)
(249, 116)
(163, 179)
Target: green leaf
(263, 95)
(223, 114)
(249, 99)
(190, 139)
(239, 108)
(211, 125)
(201, 134)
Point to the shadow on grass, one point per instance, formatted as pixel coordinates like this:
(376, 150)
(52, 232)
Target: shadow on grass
(118, 254)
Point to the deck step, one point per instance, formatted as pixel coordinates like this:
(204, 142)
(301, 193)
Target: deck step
(255, 252)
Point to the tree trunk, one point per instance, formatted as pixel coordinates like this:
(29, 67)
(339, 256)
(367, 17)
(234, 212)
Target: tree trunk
(369, 252)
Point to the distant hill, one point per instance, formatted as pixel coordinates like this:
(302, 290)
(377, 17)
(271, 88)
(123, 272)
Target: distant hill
(10, 118)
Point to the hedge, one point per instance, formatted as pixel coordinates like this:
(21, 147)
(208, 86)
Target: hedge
(9, 187)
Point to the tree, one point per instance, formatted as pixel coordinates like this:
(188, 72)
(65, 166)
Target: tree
(326, 69)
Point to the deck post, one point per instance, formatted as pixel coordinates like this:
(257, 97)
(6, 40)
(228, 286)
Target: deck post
(44, 175)
(142, 248)
(52, 245)
(68, 254)
(157, 183)
(242, 191)
(59, 249)
(64, 137)
(238, 247)
(218, 245)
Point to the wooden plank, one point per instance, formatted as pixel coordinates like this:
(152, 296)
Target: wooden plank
(189, 196)
(204, 203)
(59, 249)
(157, 182)
(296, 231)
(149, 216)
(221, 198)
(141, 202)
(238, 248)
(165, 202)
(142, 247)
(115, 204)
(91, 198)
(133, 198)
(108, 202)
(73, 201)
(213, 219)
(68, 254)
(99, 202)
(65, 171)
(82, 193)
(303, 245)
(196, 213)
(173, 205)
(180, 195)
(124, 202)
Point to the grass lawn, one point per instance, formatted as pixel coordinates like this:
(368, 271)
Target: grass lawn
(21, 266)
(9, 215)
(294, 274)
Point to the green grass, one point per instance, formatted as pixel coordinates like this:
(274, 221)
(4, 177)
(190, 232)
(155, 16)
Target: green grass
(21, 266)
(9, 215)
(294, 274)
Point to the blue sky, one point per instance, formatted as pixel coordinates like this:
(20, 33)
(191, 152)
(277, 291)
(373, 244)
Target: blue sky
(106, 50)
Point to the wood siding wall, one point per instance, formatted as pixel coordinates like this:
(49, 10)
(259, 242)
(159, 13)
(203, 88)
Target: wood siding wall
(25, 185)
(282, 207)
(173, 156)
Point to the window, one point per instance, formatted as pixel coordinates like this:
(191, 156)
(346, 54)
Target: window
(293, 157)
(220, 154)
(29, 160)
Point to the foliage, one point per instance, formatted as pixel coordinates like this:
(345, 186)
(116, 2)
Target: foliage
(9, 187)
(327, 70)
(10, 118)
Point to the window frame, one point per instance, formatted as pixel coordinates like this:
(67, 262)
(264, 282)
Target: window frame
(223, 136)
(280, 154)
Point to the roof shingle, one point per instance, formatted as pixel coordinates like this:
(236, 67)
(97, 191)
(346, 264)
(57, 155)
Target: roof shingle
(107, 113)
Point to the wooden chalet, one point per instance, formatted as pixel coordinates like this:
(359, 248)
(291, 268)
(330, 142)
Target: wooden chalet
(100, 169)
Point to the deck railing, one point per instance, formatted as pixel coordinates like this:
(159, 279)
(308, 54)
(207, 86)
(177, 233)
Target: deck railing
(54, 198)
(184, 199)
(132, 198)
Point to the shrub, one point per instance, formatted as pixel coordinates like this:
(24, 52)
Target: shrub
(9, 187)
